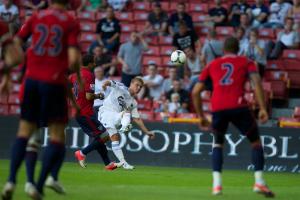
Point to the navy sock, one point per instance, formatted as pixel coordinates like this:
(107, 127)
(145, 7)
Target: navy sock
(258, 159)
(102, 150)
(57, 165)
(217, 159)
(91, 147)
(17, 156)
(53, 153)
(30, 159)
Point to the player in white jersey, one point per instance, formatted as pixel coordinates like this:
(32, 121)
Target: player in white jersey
(119, 107)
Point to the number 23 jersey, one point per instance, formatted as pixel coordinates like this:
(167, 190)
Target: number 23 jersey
(119, 99)
(229, 75)
(52, 32)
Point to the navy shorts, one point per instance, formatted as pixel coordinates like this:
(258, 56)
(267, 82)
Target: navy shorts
(242, 118)
(44, 103)
(90, 125)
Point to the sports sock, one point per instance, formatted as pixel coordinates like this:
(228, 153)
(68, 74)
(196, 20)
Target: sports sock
(102, 150)
(115, 146)
(217, 179)
(17, 156)
(258, 157)
(217, 159)
(258, 175)
(57, 165)
(53, 155)
(91, 147)
(30, 160)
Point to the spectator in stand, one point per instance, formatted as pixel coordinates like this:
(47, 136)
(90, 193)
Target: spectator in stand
(243, 39)
(184, 95)
(245, 23)
(217, 15)
(174, 105)
(153, 81)
(167, 83)
(118, 4)
(180, 15)
(259, 13)
(236, 10)
(99, 80)
(92, 5)
(294, 12)
(130, 56)
(9, 13)
(157, 23)
(255, 50)
(278, 12)
(185, 38)
(34, 5)
(193, 65)
(108, 32)
(105, 61)
(212, 47)
(286, 39)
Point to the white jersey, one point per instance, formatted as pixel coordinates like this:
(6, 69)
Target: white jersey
(119, 99)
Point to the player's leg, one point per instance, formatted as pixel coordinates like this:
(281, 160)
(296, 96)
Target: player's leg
(31, 156)
(219, 125)
(125, 122)
(246, 123)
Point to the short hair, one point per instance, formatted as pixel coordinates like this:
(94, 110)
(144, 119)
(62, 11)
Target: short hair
(289, 18)
(231, 45)
(64, 2)
(181, 4)
(138, 79)
(87, 59)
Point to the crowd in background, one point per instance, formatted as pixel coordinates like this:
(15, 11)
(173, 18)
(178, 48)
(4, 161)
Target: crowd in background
(173, 89)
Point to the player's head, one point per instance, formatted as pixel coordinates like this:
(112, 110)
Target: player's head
(134, 37)
(98, 50)
(110, 12)
(152, 69)
(240, 32)
(62, 2)
(136, 85)
(88, 61)
(99, 73)
(180, 7)
(231, 45)
(190, 53)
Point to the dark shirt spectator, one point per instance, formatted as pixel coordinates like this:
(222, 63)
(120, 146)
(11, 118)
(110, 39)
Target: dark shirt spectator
(105, 61)
(180, 15)
(157, 22)
(9, 13)
(259, 13)
(218, 15)
(236, 10)
(184, 38)
(108, 32)
(184, 95)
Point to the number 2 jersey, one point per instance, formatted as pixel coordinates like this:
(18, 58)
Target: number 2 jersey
(119, 99)
(52, 31)
(229, 75)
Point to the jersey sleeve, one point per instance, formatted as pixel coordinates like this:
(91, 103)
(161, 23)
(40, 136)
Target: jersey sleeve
(89, 85)
(204, 74)
(26, 29)
(251, 67)
(74, 33)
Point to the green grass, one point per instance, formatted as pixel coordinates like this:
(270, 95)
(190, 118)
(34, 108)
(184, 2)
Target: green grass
(157, 183)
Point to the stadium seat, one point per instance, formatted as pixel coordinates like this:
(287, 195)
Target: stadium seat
(151, 40)
(124, 16)
(291, 54)
(151, 59)
(186, 115)
(124, 37)
(147, 115)
(198, 17)
(88, 27)
(13, 99)
(279, 90)
(139, 27)
(72, 12)
(84, 46)
(3, 109)
(153, 51)
(100, 15)
(297, 112)
(14, 110)
(127, 28)
(165, 6)
(87, 16)
(166, 50)
(173, 6)
(3, 99)
(202, 30)
(275, 65)
(224, 30)
(88, 37)
(294, 77)
(266, 33)
(165, 40)
(140, 16)
(16, 87)
(144, 104)
(198, 7)
(144, 6)
(276, 76)
(166, 61)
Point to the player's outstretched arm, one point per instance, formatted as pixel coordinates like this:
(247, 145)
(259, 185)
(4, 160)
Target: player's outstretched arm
(141, 124)
(263, 114)
(91, 96)
(74, 58)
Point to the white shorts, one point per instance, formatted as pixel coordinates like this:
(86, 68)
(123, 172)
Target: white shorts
(111, 120)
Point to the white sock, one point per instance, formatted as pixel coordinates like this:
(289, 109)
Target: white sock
(258, 175)
(115, 146)
(126, 119)
(82, 154)
(217, 179)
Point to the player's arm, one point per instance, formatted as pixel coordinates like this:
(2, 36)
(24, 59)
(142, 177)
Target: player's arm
(197, 100)
(91, 96)
(142, 126)
(259, 93)
(72, 98)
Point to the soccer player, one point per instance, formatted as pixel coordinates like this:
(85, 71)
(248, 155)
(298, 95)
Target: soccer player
(229, 75)
(54, 50)
(87, 119)
(117, 110)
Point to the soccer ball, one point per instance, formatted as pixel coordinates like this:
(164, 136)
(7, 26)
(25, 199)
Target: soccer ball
(178, 57)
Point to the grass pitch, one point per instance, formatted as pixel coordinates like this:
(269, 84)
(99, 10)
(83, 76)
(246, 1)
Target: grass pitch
(156, 183)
